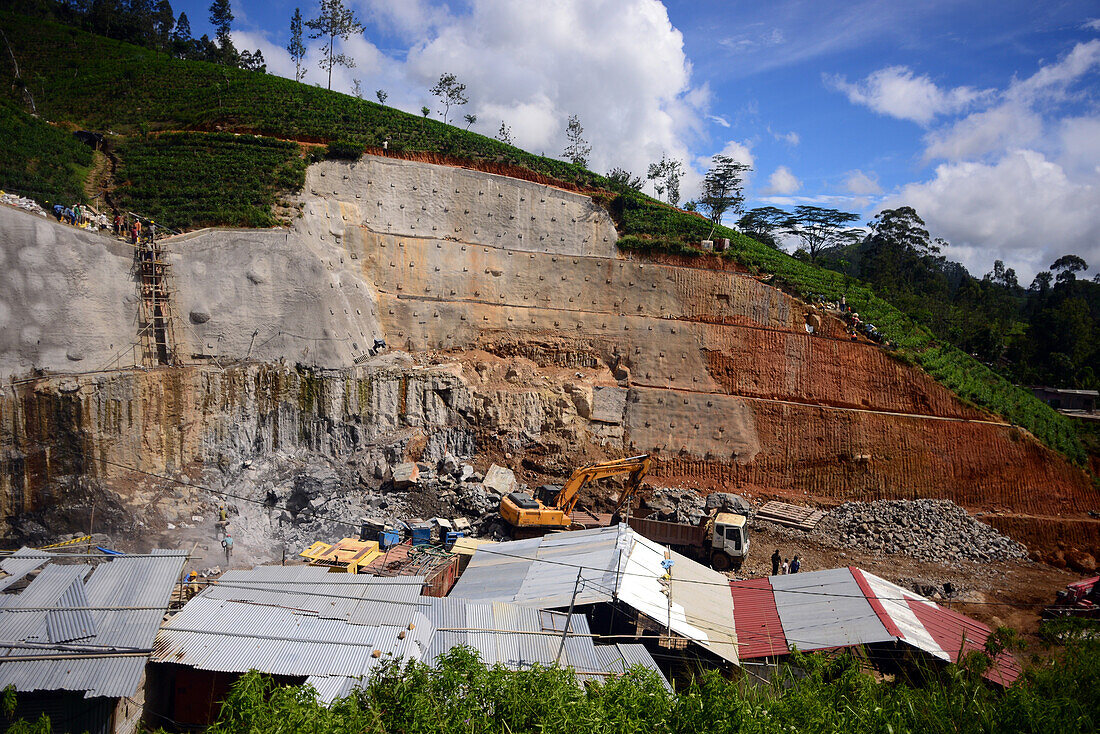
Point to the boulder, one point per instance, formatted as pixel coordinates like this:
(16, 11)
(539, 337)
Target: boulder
(449, 464)
(405, 475)
(727, 502)
(499, 480)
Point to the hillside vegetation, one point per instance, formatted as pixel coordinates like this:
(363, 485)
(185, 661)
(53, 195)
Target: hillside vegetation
(40, 160)
(193, 179)
(833, 695)
(190, 180)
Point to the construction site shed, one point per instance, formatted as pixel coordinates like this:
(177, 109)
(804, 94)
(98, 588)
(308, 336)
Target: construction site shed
(612, 565)
(848, 607)
(76, 639)
(305, 625)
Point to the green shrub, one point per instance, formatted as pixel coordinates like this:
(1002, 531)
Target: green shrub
(829, 694)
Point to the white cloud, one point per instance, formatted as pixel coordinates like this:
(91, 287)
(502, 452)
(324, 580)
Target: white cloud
(996, 129)
(719, 120)
(617, 64)
(1092, 24)
(782, 182)
(895, 91)
(790, 138)
(1017, 120)
(860, 183)
(1023, 209)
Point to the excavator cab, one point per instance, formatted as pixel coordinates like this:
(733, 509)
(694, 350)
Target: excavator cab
(554, 506)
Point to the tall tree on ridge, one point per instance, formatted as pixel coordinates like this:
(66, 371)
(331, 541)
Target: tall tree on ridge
(722, 189)
(296, 48)
(221, 17)
(450, 92)
(336, 20)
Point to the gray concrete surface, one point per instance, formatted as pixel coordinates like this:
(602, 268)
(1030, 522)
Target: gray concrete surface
(394, 196)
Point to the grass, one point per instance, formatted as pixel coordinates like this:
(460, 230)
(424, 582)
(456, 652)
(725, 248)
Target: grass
(105, 85)
(188, 180)
(41, 161)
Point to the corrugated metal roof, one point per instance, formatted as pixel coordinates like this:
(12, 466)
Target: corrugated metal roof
(61, 614)
(19, 564)
(226, 629)
(759, 630)
(614, 563)
(848, 606)
(74, 623)
(823, 609)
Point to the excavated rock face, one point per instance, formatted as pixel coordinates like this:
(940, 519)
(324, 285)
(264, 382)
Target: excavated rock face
(430, 310)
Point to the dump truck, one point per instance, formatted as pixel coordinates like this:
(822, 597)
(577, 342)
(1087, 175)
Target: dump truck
(720, 539)
(529, 516)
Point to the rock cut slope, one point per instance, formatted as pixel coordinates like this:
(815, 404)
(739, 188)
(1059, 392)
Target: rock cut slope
(526, 331)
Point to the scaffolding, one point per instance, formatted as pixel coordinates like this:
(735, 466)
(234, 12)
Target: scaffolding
(156, 317)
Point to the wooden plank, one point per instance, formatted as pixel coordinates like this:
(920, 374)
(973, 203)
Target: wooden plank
(782, 513)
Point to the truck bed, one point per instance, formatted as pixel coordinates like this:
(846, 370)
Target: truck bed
(670, 533)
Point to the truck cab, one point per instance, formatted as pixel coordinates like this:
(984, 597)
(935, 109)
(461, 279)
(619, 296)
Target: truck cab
(729, 541)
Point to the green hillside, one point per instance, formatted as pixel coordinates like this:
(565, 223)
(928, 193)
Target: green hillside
(40, 160)
(133, 93)
(186, 180)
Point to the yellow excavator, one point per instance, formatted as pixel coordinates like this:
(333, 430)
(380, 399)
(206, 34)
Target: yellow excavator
(530, 516)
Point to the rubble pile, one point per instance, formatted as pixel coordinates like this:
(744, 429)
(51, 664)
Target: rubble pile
(686, 505)
(22, 202)
(295, 500)
(928, 530)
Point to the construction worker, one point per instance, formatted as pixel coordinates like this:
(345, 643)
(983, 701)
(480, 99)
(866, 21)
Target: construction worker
(227, 543)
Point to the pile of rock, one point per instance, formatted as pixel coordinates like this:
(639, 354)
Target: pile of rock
(308, 497)
(928, 530)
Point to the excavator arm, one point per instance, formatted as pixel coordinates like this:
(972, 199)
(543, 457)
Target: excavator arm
(636, 466)
(523, 512)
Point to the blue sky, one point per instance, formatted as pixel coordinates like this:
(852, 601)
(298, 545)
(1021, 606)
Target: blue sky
(985, 117)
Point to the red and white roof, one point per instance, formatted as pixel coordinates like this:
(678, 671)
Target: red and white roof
(843, 607)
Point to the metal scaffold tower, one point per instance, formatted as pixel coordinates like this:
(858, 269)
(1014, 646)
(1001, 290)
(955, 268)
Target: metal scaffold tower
(156, 317)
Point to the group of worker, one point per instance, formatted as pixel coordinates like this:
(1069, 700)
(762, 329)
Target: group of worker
(124, 226)
(79, 215)
(855, 326)
(784, 566)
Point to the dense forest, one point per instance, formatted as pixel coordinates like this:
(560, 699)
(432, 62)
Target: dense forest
(1045, 333)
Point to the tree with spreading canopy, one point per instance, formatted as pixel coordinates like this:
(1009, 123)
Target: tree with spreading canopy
(818, 228)
(722, 189)
(1069, 266)
(381, 94)
(334, 21)
(451, 92)
(763, 224)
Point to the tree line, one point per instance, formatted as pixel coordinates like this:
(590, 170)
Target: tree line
(151, 24)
